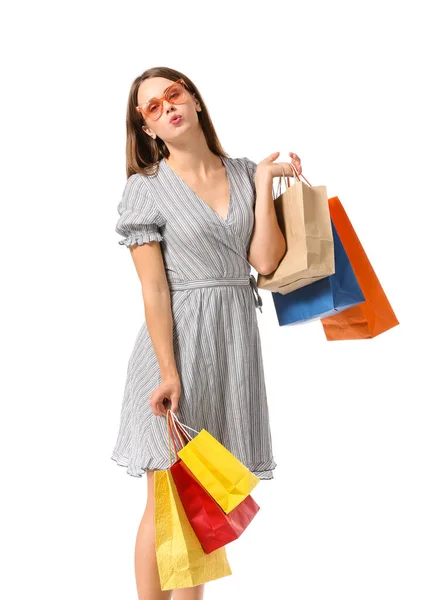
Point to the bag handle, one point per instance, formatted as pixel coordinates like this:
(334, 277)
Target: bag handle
(171, 433)
(181, 426)
(287, 179)
(180, 434)
(176, 433)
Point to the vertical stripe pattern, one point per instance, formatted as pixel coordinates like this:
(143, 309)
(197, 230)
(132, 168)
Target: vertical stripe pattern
(216, 339)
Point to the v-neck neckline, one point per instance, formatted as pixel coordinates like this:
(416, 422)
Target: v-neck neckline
(208, 207)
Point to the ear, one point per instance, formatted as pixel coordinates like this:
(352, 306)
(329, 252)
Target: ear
(148, 131)
(197, 103)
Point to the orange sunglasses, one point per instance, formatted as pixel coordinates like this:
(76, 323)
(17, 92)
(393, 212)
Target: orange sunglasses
(175, 94)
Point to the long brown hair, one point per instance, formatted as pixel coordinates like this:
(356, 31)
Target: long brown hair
(142, 152)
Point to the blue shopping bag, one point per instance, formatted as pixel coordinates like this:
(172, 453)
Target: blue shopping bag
(322, 298)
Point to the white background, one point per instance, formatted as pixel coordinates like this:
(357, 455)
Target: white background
(340, 85)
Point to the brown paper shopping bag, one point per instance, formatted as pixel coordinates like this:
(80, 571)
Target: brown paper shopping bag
(304, 218)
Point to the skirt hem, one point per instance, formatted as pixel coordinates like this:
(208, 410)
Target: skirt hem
(138, 471)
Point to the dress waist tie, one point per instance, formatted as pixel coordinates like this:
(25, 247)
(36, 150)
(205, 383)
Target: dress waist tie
(197, 283)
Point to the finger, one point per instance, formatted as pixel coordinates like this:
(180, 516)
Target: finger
(161, 407)
(155, 410)
(297, 166)
(174, 401)
(155, 402)
(152, 402)
(159, 411)
(173, 398)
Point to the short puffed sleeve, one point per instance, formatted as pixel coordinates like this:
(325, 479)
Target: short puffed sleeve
(140, 221)
(251, 167)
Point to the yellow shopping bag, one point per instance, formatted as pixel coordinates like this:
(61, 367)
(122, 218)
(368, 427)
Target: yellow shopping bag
(225, 478)
(181, 559)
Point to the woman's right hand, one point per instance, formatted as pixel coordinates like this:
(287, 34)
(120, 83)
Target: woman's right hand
(169, 390)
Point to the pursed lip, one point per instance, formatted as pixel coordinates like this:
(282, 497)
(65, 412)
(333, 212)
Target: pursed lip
(175, 116)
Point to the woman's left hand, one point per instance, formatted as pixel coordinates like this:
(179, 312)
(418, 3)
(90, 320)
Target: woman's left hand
(267, 167)
(295, 160)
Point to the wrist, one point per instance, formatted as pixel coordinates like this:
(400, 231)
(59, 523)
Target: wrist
(263, 178)
(169, 373)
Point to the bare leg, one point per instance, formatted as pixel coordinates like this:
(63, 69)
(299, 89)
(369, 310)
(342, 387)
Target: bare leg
(192, 593)
(146, 569)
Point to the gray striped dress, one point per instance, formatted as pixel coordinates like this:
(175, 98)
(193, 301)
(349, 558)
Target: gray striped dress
(215, 332)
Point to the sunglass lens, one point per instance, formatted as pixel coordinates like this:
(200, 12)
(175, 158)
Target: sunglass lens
(175, 93)
(153, 109)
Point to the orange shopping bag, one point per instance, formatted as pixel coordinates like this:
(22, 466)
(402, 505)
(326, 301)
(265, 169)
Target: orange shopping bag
(375, 315)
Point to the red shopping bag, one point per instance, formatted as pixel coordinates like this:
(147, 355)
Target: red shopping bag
(213, 527)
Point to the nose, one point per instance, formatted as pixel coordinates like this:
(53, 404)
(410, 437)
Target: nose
(167, 105)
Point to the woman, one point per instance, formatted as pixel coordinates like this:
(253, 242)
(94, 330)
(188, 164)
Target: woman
(194, 220)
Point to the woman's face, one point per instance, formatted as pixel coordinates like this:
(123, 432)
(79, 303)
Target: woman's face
(154, 88)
